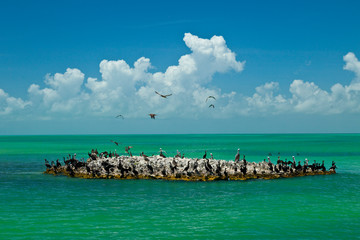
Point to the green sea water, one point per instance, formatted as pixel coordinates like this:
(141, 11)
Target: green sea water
(34, 205)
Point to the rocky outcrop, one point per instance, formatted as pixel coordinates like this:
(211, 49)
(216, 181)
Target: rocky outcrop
(176, 168)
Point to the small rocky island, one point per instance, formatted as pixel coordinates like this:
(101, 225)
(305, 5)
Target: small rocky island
(111, 165)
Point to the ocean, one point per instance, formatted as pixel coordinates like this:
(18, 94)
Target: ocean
(34, 205)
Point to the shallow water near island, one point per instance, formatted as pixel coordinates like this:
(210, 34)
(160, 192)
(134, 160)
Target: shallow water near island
(34, 205)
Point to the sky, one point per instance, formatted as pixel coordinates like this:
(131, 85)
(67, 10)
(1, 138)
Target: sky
(70, 67)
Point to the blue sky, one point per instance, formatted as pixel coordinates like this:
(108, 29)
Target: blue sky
(283, 61)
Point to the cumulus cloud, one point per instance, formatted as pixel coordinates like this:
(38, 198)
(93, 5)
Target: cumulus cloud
(10, 104)
(307, 97)
(129, 89)
(352, 64)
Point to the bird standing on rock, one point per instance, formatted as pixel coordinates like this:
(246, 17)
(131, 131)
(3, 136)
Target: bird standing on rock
(161, 153)
(237, 156)
(204, 157)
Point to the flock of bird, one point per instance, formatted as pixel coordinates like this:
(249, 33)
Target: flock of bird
(153, 115)
(280, 165)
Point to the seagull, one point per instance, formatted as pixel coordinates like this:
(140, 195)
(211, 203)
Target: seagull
(210, 97)
(117, 144)
(163, 96)
(120, 116)
(212, 105)
(152, 115)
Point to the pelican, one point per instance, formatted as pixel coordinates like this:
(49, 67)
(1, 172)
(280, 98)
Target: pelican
(163, 96)
(161, 153)
(178, 154)
(152, 115)
(237, 156)
(212, 105)
(127, 149)
(120, 116)
(117, 144)
(210, 97)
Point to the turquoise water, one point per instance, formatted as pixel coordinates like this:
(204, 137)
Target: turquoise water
(38, 206)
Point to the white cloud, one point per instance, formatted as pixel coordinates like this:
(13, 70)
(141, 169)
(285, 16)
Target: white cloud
(307, 97)
(352, 64)
(9, 104)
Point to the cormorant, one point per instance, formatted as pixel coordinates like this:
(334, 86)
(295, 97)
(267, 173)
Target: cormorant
(204, 157)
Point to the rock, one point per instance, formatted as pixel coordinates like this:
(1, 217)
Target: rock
(188, 169)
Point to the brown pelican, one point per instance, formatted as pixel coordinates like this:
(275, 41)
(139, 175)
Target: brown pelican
(127, 149)
(178, 154)
(152, 115)
(117, 144)
(163, 96)
(212, 105)
(237, 156)
(210, 97)
(120, 116)
(161, 153)
(144, 156)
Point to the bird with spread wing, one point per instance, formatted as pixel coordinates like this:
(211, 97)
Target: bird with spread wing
(162, 95)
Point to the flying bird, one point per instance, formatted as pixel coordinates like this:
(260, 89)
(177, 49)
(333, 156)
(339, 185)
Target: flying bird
(210, 97)
(212, 105)
(117, 144)
(152, 115)
(120, 116)
(163, 96)
(127, 149)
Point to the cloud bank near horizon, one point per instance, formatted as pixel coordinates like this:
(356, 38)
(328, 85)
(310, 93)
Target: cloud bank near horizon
(130, 90)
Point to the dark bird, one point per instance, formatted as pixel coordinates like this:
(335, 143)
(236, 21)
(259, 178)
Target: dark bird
(152, 115)
(204, 157)
(163, 96)
(212, 105)
(120, 116)
(58, 164)
(117, 144)
(187, 166)
(47, 164)
(210, 97)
